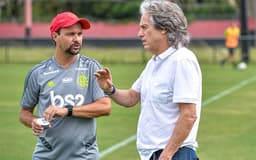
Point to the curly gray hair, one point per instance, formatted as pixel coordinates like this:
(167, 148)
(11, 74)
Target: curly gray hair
(166, 15)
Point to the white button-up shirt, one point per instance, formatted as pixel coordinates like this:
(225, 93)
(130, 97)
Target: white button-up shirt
(172, 77)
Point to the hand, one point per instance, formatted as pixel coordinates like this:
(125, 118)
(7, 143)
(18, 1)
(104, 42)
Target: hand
(165, 156)
(54, 111)
(104, 78)
(37, 129)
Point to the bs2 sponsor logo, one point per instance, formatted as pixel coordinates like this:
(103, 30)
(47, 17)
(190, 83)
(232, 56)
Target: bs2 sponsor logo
(74, 100)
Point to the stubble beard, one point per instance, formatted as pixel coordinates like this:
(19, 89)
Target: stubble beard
(70, 50)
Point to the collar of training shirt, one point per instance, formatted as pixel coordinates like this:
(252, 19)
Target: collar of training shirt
(165, 54)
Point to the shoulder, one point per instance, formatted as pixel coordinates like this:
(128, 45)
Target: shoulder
(39, 68)
(88, 61)
(185, 54)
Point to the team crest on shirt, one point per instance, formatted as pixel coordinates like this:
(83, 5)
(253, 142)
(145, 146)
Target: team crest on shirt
(82, 80)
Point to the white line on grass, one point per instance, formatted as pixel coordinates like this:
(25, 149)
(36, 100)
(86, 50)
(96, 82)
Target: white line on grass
(228, 91)
(117, 146)
(205, 103)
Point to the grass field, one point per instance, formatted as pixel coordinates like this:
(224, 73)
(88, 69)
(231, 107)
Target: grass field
(227, 127)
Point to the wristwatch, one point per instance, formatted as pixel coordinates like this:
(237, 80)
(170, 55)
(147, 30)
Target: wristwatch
(70, 110)
(112, 92)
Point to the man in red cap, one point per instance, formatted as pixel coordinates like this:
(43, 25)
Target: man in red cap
(67, 96)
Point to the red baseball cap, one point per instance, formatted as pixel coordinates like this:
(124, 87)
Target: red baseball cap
(66, 19)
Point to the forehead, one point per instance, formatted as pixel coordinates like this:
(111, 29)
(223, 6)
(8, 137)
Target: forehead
(145, 19)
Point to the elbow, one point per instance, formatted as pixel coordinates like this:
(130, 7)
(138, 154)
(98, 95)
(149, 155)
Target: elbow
(192, 118)
(131, 105)
(21, 119)
(128, 105)
(189, 118)
(133, 99)
(105, 107)
(108, 110)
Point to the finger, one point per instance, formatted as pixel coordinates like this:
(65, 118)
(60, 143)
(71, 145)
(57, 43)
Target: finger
(37, 132)
(96, 74)
(109, 83)
(46, 115)
(102, 72)
(49, 114)
(37, 129)
(107, 70)
(54, 113)
(99, 73)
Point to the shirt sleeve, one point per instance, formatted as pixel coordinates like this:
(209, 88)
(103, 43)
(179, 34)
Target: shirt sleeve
(187, 82)
(31, 90)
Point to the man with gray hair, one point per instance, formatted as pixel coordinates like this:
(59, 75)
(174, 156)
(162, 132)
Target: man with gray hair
(169, 88)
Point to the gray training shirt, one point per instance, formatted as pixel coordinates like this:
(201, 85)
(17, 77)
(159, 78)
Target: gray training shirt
(48, 83)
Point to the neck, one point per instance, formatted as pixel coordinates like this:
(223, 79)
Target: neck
(64, 59)
(160, 50)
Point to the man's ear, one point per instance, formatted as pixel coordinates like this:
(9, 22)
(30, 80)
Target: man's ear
(163, 32)
(54, 35)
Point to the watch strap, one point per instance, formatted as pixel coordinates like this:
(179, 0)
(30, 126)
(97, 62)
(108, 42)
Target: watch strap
(70, 110)
(112, 92)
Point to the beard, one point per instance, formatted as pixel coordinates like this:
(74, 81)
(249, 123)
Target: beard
(73, 49)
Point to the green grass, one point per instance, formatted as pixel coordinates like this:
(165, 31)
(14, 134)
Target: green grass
(20, 54)
(226, 131)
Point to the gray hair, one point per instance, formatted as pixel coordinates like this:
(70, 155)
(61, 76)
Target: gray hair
(166, 15)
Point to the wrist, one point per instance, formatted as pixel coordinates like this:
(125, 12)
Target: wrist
(69, 110)
(111, 92)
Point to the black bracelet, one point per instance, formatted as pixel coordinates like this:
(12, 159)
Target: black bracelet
(112, 92)
(70, 110)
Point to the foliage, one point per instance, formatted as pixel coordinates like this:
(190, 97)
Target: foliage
(217, 9)
(110, 10)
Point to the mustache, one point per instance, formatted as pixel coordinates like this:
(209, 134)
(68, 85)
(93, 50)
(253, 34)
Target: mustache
(75, 44)
(71, 51)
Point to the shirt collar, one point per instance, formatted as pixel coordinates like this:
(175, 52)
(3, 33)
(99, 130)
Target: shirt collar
(164, 54)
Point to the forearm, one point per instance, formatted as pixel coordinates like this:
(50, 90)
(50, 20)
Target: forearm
(99, 108)
(26, 117)
(127, 98)
(182, 129)
(180, 133)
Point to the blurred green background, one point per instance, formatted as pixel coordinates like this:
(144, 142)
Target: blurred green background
(227, 126)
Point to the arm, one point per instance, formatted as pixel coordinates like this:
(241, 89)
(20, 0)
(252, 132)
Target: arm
(101, 107)
(26, 116)
(181, 131)
(28, 119)
(98, 108)
(127, 98)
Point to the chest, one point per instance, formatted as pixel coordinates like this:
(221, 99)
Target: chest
(157, 82)
(62, 87)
